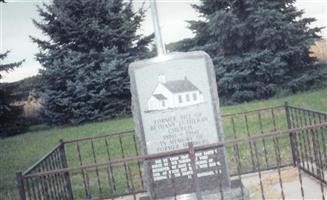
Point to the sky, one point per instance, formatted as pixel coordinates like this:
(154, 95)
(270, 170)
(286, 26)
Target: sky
(16, 27)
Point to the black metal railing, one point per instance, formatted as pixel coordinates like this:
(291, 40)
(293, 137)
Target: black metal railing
(110, 166)
(56, 186)
(311, 144)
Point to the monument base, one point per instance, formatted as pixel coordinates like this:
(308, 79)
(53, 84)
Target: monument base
(236, 192)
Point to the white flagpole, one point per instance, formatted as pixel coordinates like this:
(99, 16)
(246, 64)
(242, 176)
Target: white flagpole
(161, 49)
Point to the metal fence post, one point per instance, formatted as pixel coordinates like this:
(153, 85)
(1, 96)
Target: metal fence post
(20, 186)
(65, 165)
(292, 134)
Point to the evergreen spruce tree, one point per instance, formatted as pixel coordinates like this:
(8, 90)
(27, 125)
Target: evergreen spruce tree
(85, 60)
(11, 121)
(259, 47)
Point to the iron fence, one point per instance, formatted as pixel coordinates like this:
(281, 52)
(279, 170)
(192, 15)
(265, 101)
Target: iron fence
(56, 186)
(110, 166)
(311, 144)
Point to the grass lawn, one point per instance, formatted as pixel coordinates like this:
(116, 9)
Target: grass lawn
(19, 152)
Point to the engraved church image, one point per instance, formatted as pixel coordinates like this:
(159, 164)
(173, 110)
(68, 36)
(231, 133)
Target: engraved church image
(174, 94)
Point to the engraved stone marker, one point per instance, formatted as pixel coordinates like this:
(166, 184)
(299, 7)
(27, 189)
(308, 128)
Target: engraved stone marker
(175, 102)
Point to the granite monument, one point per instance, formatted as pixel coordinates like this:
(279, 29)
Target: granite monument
(175, 104)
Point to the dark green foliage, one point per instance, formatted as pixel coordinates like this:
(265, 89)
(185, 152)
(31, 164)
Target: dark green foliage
(21, 89)
(11, 121)
(258, 47)
(86, 59)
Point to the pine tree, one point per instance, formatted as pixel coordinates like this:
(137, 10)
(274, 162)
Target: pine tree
(259, 47)
(85, 60)
(11, 121)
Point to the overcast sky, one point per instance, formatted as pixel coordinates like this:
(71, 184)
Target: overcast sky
(16, 26)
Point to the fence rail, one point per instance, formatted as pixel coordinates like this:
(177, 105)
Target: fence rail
(57, 186)
(311, 143)
(110, 166)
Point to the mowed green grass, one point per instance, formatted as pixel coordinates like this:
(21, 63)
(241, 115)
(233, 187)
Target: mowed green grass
(19, 152)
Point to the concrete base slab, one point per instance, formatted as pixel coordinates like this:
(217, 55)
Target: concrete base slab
(290, 183)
